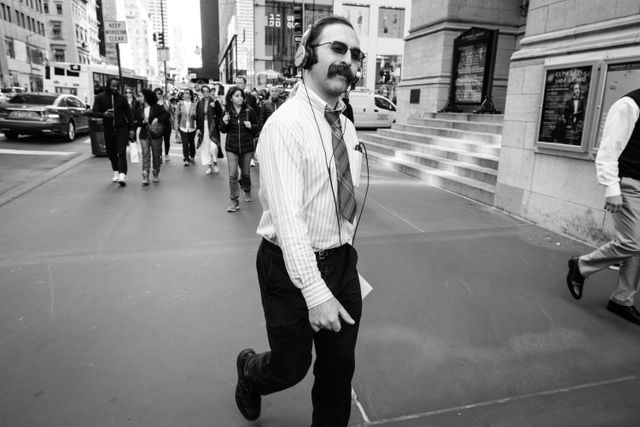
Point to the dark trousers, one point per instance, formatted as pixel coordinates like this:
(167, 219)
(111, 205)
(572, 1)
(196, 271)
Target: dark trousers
(167, 139)
(188, 145)
(291, 337)
(116, 142)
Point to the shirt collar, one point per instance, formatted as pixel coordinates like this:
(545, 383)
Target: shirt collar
(317, 102)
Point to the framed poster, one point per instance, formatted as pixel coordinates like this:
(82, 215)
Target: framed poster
(565, 106)
(620, 79)
(472, 67)
(390, 22)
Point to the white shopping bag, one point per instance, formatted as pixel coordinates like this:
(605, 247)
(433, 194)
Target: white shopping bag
(133, 152)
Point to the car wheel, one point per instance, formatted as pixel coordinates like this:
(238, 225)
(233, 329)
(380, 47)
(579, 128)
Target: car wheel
(11, 135)
(71, 131)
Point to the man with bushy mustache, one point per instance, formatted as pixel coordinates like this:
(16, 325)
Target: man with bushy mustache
(306, 265)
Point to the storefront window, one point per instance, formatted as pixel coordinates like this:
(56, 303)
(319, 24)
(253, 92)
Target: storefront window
(388, 75)
(359, 18)
(391, 23)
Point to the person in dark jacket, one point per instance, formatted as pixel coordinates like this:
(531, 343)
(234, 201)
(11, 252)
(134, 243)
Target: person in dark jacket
(348, 110)
(272, 104)
(208, 116)
(167, 123)
(240, 123)
(152, 114)
(119, 127)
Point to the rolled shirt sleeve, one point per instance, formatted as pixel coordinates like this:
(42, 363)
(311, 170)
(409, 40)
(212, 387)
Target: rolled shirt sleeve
(282, 179)
(618, 127)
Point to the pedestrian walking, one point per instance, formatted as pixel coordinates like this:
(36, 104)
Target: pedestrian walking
(251, 100)
(240, 123)
(119, 127)
(185, 123)
(151, 135)
(270, 105)
(306, 265)
(617, 169)
(167, 124)
(208, 115)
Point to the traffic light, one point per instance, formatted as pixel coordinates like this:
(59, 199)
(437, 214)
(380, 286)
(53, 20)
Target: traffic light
(155, 37)
(161, 39)
(297, 19)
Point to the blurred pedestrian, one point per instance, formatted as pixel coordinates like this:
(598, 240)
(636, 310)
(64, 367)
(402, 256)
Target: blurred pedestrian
(618, 169)
(251, 100)
(306, 265)
(270, 105)
(240, 123)
(119, 127)
(131, 100)
(167, 124)
(185, 122)
(151, 135)
(208, 116)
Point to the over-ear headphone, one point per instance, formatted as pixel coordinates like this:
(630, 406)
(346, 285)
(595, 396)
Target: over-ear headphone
(305, 56)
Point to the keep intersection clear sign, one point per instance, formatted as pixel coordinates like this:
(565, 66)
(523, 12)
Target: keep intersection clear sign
(115, 31)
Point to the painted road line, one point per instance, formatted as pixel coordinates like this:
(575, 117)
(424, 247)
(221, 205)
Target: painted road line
(37, 152)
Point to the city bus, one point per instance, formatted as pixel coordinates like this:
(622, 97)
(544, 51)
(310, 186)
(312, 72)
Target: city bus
(85, 80)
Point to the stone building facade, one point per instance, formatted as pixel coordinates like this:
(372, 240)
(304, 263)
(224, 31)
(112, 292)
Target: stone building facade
(560, 64)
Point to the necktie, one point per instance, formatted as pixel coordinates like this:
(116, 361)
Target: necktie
(346, 197)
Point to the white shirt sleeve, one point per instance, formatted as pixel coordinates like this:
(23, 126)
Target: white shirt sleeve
(618, 127)
(282, 178)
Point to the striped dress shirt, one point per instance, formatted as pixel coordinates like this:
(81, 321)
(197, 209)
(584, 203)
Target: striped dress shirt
(298, 188)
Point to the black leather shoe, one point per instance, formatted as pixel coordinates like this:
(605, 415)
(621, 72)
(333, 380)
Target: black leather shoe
(247, 399)
(575, 280)
(628, 312)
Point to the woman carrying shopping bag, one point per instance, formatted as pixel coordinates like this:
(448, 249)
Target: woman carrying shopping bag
(151, 135)
(208, 114)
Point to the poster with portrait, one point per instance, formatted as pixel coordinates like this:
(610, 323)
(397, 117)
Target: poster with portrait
(564, 104)
(359, 18)
(621, 79)
(390, 23)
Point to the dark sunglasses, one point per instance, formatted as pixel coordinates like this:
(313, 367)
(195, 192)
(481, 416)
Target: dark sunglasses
(342, 48)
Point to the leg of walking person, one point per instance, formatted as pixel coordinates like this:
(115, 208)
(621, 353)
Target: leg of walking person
(112, 152)
(192, 146)
(232, 162)
(167, 142)
(335, 351)
(288, 331)
(245, 175)
(185, 148)
(156, 153)
(146, 159)
(122, 142)
(627, 239)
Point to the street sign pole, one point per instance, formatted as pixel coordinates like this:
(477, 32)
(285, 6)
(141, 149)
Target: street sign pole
(119, 69)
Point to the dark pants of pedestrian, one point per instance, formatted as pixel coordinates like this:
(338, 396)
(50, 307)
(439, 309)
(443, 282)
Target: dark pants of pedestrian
(291, 337)
(243, 161)
(167, 139)
(188, 145)
(116, 142)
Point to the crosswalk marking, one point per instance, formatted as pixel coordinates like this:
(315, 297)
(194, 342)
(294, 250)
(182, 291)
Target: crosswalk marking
(37, 152)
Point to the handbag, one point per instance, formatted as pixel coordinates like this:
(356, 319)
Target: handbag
(156, 130)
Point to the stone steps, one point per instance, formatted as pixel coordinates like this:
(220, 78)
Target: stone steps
(457, 152)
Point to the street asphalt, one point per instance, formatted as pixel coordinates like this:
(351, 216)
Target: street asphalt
(128, 306)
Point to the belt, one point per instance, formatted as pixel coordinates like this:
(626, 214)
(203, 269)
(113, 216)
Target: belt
(320, 255)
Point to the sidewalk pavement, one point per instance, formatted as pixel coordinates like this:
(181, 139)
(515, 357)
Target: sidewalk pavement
(127, 306)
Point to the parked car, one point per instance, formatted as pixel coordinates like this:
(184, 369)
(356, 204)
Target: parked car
(6, 93)
(371, 110)
(32, 113)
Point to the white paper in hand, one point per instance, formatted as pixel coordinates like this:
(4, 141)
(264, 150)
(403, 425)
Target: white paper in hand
(365, 287)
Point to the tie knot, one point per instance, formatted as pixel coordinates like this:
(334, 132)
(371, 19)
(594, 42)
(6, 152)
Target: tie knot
(332, 116)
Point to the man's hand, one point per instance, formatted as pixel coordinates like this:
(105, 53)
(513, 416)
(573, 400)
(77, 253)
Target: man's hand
(613, 204)
(109, 112)
(247, 124)
(327, 316)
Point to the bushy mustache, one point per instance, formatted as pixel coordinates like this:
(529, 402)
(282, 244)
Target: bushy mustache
(343, 70)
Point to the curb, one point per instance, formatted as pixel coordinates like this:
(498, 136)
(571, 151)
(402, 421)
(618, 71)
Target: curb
(22, 189)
